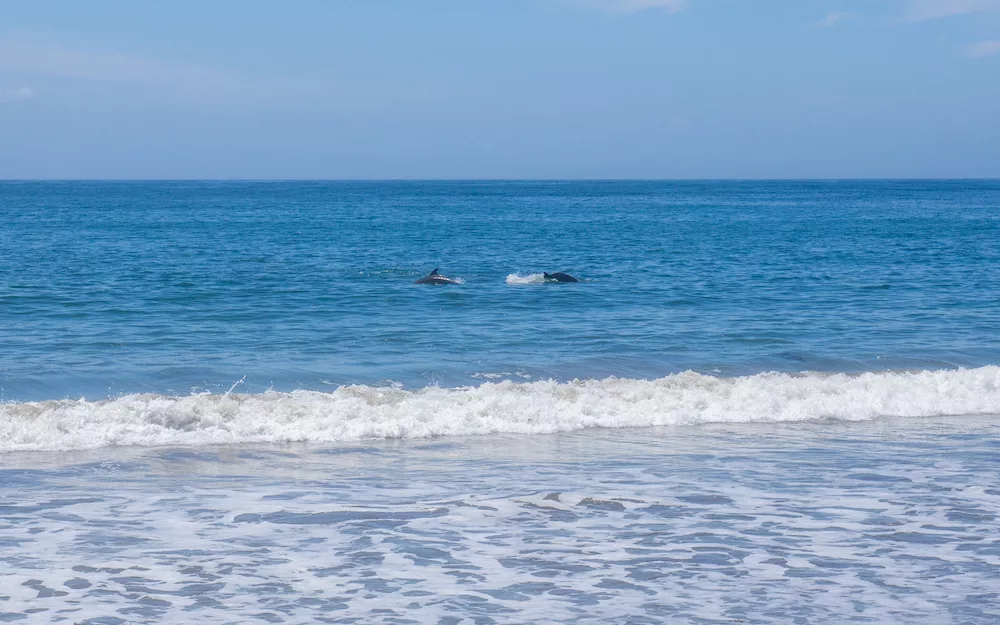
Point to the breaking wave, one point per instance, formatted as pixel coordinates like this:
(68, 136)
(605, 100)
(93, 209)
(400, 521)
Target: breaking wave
(363, 412)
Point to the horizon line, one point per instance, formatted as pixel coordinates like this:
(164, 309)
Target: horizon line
(355, 180)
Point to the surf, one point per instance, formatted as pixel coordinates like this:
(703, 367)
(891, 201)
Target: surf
(359, 412)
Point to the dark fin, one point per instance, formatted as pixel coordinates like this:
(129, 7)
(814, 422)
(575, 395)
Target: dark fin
(546, 276)
(434, 273)
(563, 277)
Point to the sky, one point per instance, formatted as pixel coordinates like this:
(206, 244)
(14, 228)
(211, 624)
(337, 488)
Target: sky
(474, 89)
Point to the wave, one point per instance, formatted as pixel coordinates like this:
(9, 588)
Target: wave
(532, 278)
(364, 412)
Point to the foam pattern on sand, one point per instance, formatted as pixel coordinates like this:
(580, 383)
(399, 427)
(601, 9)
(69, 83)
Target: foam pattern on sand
(805, 523)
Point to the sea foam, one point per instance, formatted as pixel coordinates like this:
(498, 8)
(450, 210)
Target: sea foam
(532, 278)
(363, 412)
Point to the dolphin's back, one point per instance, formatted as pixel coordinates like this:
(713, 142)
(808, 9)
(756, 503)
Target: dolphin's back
(560, 277)
(435, 278)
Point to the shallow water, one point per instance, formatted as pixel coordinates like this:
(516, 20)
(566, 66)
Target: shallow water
(893, 521)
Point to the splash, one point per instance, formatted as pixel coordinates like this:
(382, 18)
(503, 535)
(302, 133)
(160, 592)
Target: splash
(533, 278)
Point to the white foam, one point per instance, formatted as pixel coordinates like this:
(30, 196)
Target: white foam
(363, 412)
(533, 278)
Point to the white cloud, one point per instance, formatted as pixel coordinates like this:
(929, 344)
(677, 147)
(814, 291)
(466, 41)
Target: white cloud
(181, 81)
(920, 10)
(833, 18)
(632, 6)
(983, 48)
(54, 61)
(679, 122)
(9, 95)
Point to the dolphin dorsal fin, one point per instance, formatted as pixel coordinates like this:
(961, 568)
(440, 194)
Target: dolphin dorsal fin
(546, 275)
(434, 273)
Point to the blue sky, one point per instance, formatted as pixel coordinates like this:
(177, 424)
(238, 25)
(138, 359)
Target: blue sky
(500, 89)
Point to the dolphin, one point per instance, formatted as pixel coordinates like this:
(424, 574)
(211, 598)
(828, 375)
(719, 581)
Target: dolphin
(435, 278)
(559, 277)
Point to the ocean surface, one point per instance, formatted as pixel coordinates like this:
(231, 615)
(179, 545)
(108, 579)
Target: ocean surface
(764, 402)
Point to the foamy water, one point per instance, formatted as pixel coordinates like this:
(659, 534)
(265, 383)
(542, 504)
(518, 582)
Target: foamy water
(532, 278)
(889, 521)
(354, 413)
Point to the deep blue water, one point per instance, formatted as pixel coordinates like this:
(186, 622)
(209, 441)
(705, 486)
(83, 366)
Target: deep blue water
(172, 287)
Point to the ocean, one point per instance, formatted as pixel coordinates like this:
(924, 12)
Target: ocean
(763, 402)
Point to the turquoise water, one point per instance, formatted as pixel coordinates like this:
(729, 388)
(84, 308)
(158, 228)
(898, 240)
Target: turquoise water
(173, 288)
(765, 402)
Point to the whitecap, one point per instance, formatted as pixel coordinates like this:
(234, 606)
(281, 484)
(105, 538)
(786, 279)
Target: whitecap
(359, 412)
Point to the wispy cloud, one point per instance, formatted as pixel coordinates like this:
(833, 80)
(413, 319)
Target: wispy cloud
(190, 82)
(27, 57)
(920, 10)
(9, 95)
(983, 48)
(632, 6)
(834, 18)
